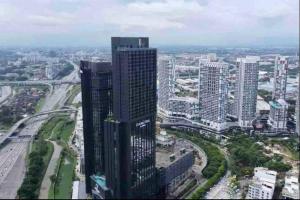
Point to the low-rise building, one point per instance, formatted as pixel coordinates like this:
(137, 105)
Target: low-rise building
(262, 185)
(174, 165)
(164, 140)
(291, 187)
(278, 115)
(262, 107)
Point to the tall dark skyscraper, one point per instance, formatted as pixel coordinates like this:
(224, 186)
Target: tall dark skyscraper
(129, 130)
(134, 112)
(96, 84)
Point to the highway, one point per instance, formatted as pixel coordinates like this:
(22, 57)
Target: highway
(14, 174)
(42, 82)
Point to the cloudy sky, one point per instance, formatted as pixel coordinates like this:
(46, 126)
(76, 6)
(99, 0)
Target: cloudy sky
(166, 22)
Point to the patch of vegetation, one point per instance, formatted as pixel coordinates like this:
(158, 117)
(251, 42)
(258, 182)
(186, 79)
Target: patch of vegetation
(268, 68)
(278, 166)
(73, 93)
(47, 128)
(245, 154)
(214, 156)
(61, 187)
(63, 130)
(199, 194)
(40, 104)
(291, 144)
(68, 68)
(266, 95)
(38, 161)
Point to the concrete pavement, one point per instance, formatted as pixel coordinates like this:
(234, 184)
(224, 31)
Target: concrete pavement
(46, 183)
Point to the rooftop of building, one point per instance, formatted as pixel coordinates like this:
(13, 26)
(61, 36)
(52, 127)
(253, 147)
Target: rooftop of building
(264, 175)
(99, 180)
(291, 186)
(261, 104)
(217, 64)
(163, 136)
(136, 49)
(280, 103)
(186, 99)
(249, 59)
(167, 156)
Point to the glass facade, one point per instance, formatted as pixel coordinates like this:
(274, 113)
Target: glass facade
(96, 105)
(119, 113)
(134, 113)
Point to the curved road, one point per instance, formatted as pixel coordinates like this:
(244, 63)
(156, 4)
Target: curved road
(13, 178)
(222, 190)
(46, 183)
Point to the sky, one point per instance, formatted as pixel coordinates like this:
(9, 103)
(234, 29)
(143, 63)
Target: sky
(165, 22)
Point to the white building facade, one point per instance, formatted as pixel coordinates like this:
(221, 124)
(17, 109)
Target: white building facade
(185, 107)
(262, 185)
(166, 79)
(213, 94)
(246, 90)
(291, 187)
(298, 109)
(278, 106)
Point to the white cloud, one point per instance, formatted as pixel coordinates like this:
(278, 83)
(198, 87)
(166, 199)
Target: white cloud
(57, 19)
(7, 12)
(167, 21)
(152, 15)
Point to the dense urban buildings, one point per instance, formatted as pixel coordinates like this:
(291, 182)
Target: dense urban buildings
(246, 90)
(211, 112)
(278, 105)
(262, 185)
(213, 94)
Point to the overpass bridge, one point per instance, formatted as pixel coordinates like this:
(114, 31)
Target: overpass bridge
(41, 82)
(194, 127)
(16, 126)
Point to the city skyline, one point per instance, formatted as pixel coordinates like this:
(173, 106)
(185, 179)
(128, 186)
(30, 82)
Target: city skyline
(181, 22)
(149, 99)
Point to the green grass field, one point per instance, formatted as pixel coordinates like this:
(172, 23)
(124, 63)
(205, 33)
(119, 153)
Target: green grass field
(47, 156)
(73, 93)
(58, 128)
(63, 130)
(40, 104)
(64, 181)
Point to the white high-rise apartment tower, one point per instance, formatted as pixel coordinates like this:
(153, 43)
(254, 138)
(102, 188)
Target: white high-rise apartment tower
(246, 90)
(278, 105)
(213, 89)
(298, 108)
(166, 79)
